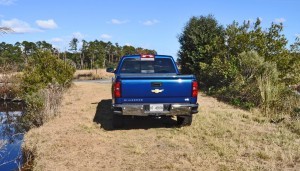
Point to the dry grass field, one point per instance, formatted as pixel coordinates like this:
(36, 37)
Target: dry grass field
(92, 74)
(221, 137)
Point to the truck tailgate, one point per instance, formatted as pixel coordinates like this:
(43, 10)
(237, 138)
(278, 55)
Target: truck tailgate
(156, 86)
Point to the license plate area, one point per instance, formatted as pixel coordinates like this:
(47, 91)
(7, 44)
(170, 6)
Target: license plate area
(156, 107)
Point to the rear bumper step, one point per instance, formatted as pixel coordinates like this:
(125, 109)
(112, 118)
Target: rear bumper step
(143, 109)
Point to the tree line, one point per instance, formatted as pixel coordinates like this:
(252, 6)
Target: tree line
(244, 64)
(92, 54)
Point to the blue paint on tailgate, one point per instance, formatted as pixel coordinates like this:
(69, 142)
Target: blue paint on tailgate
(139, 88)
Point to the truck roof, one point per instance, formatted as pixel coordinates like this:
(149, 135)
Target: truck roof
(138, 55)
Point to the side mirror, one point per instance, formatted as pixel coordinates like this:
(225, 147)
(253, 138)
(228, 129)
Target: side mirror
(111, 70)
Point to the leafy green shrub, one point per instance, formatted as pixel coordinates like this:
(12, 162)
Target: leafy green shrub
(201, 41)
(245, 65)
(220, 73)
(240, 86)
(42, 105)
(256, 84)
(43, 83)
(287, 103)
(45, 68)
(34, 107)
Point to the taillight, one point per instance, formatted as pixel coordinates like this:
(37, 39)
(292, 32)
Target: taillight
(117, 89)
(194, 89)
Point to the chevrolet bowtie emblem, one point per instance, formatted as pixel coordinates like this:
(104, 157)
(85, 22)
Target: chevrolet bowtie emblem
(157, 91)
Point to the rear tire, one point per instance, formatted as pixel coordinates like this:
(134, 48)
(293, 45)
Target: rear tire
(118, 121)
(184, 120)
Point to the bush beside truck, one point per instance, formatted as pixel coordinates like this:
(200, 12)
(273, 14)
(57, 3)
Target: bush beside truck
(243, 64)
(43, 82)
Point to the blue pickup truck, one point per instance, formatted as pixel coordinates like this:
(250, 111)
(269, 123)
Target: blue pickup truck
(151, 85)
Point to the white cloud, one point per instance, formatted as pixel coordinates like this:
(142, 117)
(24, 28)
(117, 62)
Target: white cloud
(279, 20)
(116, 21)
(7, 2)
(57, 39)
(128, 44)
(19, 26)
(46, 24)
(78, 35)
(150, 22)
(105, 36)
(297, 35)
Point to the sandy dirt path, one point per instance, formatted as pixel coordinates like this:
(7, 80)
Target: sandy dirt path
(220, 138)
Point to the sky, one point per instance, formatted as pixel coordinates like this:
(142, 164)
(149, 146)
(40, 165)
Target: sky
(151, 24)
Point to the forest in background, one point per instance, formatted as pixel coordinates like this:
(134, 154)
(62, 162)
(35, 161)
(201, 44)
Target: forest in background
(91, 55)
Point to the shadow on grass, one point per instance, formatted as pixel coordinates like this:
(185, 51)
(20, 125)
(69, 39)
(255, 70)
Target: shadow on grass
(104, 117)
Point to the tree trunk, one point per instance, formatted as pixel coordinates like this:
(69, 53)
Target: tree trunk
(65, 58)
(81, 60)
(92, 61)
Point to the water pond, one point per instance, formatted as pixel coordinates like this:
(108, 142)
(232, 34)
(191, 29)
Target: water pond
(11, 135)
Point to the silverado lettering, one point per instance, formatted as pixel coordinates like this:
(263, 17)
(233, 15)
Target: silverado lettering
(133, 100)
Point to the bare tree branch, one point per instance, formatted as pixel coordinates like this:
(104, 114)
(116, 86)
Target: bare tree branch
(4, 30)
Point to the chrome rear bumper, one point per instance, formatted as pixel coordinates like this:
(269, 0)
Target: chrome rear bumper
(143, 109)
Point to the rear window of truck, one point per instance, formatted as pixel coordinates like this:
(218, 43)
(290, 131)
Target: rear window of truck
(159, 65)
